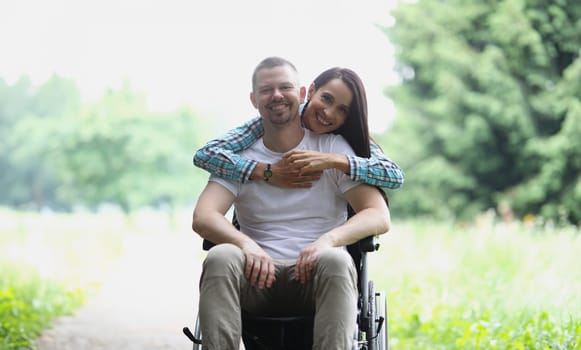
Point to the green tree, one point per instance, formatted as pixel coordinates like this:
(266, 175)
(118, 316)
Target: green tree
(27, 115)
(117, 152)
(13, 103)
(488, 107)
(59, 153)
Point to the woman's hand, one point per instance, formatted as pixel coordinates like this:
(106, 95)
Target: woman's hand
(289, 176)
(307, 161)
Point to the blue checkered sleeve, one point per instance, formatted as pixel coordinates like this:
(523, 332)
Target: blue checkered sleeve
(219, 157)
(378, 170)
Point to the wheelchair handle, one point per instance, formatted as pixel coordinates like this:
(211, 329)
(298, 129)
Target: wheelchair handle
(190, 336)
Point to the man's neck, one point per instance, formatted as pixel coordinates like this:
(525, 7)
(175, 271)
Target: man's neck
(281, 139)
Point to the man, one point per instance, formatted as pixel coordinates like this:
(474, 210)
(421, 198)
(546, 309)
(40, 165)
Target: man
(288, 256)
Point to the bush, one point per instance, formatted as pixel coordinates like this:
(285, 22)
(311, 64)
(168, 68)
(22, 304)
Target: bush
(488, 286)
(28, 303)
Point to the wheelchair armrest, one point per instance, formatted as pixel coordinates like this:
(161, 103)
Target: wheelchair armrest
(368, 244)
(206, 245)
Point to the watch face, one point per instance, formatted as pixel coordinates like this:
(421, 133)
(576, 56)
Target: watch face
(267, 173)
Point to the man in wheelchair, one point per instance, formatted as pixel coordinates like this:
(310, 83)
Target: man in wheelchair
(288, 258)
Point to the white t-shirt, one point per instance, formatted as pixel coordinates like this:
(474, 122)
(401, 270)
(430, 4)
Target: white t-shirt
(283, 221)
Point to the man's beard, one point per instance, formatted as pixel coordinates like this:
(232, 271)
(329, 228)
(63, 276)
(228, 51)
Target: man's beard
(283, 118)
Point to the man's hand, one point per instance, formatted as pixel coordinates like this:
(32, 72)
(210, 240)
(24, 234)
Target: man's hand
(308, 257)
(288, 176)
(307, 161)
(259, 268)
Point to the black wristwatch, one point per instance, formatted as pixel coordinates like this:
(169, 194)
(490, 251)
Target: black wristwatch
(267, 173)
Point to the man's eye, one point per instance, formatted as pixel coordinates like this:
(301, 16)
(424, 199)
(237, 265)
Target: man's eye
(266, 91)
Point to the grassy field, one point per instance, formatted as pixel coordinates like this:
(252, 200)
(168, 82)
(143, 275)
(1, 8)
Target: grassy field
(50, 263)
(486, 286)
(483, 286)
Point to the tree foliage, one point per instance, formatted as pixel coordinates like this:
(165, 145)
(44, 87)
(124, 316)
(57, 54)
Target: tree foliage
(489, 108)
(26, 118)
(60, 153)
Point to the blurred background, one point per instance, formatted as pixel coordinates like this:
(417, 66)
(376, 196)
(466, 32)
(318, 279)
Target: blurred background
(102, 105)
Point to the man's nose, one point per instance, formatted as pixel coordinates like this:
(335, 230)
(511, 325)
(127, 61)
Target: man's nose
(277, 93)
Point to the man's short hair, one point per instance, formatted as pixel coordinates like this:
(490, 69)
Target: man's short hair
(268, 63)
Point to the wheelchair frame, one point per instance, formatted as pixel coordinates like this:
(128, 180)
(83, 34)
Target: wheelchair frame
(372, 322)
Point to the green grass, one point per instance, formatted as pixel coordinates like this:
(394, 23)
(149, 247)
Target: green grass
(487, 286)
(49, 265)
(484, 286)
(28, 303)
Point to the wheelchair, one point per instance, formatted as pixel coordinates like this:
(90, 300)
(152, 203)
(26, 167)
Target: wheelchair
(296, 333)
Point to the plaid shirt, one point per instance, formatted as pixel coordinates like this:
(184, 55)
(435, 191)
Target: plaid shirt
(220, 158)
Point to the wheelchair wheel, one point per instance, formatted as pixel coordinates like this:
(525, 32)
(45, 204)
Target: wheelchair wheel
(198, 334)
(381, 312)
(371, 331)
(377, 333)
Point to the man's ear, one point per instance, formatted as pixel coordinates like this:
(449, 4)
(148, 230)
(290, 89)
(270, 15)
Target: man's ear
(253, 100)
(303, 92)
(311, 91)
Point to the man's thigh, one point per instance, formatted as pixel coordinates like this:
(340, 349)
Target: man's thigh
(286, 297)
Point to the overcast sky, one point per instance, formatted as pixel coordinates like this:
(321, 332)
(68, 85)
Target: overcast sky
(199, 53)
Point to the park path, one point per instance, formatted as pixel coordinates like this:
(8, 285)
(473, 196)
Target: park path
(144, 302)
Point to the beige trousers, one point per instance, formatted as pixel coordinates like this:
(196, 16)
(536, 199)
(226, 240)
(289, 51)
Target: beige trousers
(225, 292)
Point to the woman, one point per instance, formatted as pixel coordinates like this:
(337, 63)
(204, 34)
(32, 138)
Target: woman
(336, 103)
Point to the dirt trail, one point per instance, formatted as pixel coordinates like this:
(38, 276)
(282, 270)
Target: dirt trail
(143, 304)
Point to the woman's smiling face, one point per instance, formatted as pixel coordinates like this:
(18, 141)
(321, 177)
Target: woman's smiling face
(329, 106)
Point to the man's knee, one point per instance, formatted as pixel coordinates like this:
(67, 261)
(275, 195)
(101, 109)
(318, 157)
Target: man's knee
(223, 259)
(336, 262)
